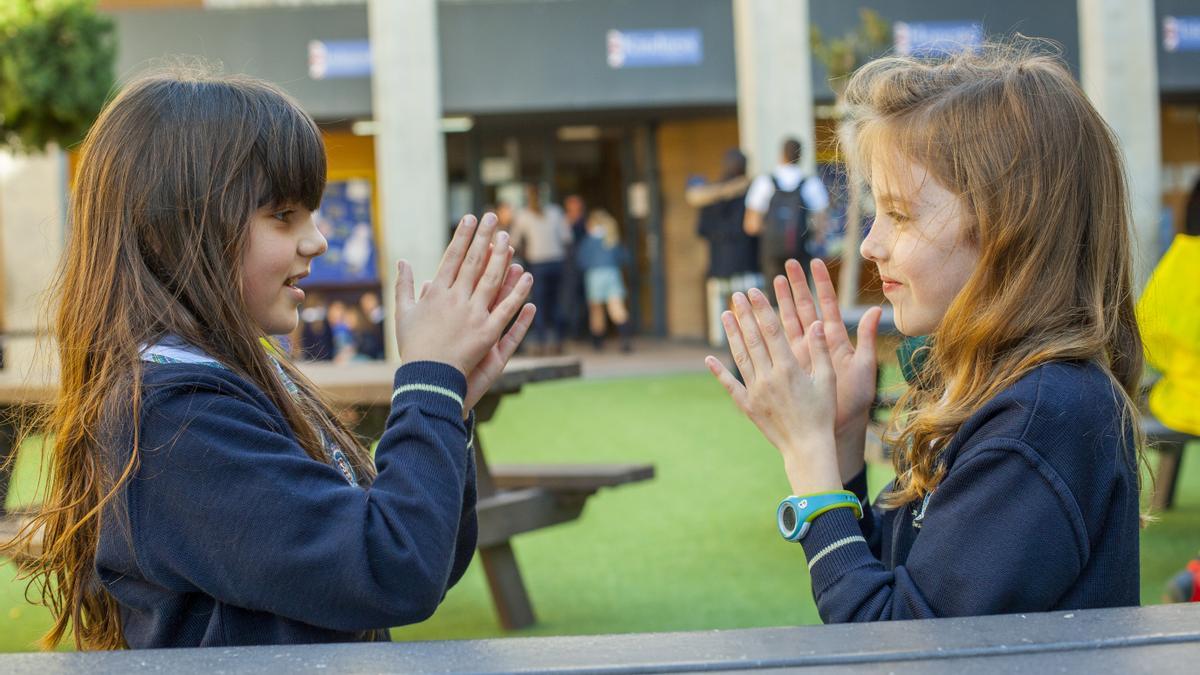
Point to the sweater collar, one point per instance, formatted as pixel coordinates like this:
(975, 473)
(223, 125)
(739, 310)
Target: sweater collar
(913, 355)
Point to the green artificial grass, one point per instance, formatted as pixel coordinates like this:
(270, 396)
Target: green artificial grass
(693, 549)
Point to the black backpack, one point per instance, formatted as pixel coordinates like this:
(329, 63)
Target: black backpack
(785, 224)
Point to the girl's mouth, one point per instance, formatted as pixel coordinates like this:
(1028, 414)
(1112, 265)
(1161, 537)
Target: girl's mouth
(296, 291)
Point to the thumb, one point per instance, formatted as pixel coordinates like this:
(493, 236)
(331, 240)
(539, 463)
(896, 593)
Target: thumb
(737, 391)
(404, 287)
(818, 350)
(868, 330)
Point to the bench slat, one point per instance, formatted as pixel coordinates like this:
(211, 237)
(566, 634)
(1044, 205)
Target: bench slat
(507, 514)
(569, 477)
(10, 525)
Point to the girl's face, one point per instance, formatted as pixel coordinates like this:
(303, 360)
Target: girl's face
(283, 241)
(919, 243)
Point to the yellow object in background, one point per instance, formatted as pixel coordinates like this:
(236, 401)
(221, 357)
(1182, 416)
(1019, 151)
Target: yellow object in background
(1169, 317)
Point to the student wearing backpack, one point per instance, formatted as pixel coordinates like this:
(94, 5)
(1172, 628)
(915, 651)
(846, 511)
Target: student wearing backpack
(783, 208)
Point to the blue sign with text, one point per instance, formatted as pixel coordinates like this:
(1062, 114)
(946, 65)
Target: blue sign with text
(339, 58)
(1181, 33)
(936, 38)
(655, 48)
(344, 219)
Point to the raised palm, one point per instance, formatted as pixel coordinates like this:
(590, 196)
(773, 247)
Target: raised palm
(855, 365)
(480, 380)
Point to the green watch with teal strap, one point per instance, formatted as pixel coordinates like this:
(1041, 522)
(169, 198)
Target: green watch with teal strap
(795, 514)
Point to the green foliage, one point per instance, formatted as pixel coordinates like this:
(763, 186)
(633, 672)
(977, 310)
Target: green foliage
(841, 56)
(56, 70)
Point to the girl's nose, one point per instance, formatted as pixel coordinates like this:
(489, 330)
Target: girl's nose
(313, 243)
(872, 248)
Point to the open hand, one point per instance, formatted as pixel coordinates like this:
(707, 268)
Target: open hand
(855, 365)
(463, 310)
(485, 373)
(792, 405)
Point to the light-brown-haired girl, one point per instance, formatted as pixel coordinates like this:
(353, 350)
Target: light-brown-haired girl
(1001, 235)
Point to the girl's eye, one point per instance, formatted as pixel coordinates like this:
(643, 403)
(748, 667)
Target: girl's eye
(282, 216)
(898, 217)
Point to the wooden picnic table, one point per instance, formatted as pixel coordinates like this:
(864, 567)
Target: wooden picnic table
(1163, 640)
(513, 499)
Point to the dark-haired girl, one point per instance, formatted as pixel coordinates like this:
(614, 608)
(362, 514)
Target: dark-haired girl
(202, 492)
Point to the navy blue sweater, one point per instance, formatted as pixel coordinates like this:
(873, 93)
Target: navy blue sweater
(235, 536)
(1038, 511)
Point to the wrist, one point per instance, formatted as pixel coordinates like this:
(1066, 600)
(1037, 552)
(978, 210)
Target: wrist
(813, 467)
(851, 451)
(807, 447)
(855, 427)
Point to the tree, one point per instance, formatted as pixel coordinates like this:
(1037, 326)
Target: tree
(56, 71)
(841, 57)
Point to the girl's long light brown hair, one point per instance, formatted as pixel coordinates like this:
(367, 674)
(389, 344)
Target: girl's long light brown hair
(169, 178)
(1042, 181)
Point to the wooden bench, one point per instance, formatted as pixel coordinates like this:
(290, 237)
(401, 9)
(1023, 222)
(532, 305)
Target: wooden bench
(10, 525)
(530, 497)
(1169, 444)
(1164, 640)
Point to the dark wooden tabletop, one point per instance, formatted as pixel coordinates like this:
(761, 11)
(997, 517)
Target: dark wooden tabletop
(354, 383)
(1161, 639)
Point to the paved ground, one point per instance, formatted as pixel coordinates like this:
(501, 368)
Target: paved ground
(650, 356)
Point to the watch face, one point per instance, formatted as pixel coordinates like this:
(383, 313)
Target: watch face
(788, 518)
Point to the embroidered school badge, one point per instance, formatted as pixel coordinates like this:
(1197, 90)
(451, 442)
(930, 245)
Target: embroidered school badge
(919, 515)
(343, 464)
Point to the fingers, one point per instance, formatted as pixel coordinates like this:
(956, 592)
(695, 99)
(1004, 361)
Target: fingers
(510, 282)
(752, 338)
(477, 254)
(835, 329)
(404, 287)
(787, 309)
(512, 339)
(868, 330)
(736, 391)
(818, 349)
(425, 288)
(806, 309)
(737, 347)
(495, 271)
(507, 307)
(769, 327)
(452, 259)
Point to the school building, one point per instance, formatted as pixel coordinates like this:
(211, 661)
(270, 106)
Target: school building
(623, 100)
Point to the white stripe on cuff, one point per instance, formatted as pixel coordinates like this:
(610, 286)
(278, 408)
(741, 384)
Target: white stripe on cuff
(433, 389)
(832, 547)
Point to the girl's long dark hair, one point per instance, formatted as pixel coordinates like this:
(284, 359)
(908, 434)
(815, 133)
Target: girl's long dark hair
(168, 180)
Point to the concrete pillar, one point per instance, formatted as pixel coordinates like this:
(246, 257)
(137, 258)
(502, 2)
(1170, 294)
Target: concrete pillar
(1120, 75)
(774, 79)
(410, 163)
(32, 214)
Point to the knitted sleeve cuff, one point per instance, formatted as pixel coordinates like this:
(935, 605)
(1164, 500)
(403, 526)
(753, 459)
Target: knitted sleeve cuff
(834, 545)
(436, 387)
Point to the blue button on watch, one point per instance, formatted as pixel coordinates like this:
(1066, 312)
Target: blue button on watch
(796, 514)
